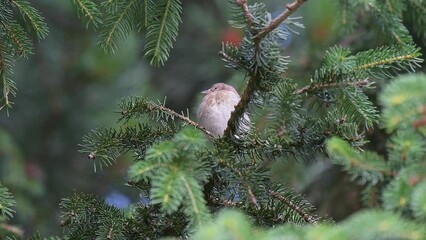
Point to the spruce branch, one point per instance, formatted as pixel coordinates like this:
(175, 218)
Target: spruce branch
(245, 9)
(385, 61)
(256, 74)
(6, 203)
(32, 17)
(183, 118)
(162, 32)
(290, 9)
(134, 106)
(89, 11)
(18, 37)
(118, 24)
(12, 229)
(317, 87)
(241, 106)
(9, 87)
(251, 197)
(307, 217)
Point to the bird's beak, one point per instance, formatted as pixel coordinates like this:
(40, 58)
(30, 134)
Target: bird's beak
(206, 91)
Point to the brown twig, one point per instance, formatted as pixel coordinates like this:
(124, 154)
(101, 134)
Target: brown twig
(223, 202)
(251, 197)
(246, 11)
(253, 77)
(241, 106)
(183, 118)
(316, 87)
(308, 218)
(12, 229)
(289, 9)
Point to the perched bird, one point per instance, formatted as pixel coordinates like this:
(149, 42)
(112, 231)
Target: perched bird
(216, 108)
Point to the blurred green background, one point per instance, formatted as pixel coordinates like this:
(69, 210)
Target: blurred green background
(71, 86)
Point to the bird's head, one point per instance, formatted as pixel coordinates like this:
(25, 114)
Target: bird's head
(219, 87)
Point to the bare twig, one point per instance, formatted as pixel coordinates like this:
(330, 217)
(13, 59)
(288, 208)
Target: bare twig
(251, 197)
(223, 202)
(289, 9)
(12, 229)
(253, 77)
(316, 87)
(183, 118)
(308, 218)
(245, 9)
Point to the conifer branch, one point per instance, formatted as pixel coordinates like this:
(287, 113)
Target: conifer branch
(390, 60)
(130, 107)
(32, 17)
(181, 117)
(90, 11)
(12, 229)
(8, 87)
(18, 37)
(245, 9)
(241, 106)
(117, 25)
(191, 196)
(316, 87)
(308, 218)
(254, 75)
(223, 202)
(251, 196)
(290, 9)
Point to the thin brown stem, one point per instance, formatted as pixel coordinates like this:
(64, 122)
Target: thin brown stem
(223, 202)
(316, 87)
(308, 218)
(251, 197)
(12, 229)
(245, 9)
(183, 118)
(254, 78)
(241, 106)
(289, 9)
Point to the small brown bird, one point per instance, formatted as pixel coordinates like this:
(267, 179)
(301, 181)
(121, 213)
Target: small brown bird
(216, 108)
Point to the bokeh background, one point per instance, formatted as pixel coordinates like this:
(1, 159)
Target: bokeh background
(71, 86)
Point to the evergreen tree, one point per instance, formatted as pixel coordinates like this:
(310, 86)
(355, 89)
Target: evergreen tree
(189, 176)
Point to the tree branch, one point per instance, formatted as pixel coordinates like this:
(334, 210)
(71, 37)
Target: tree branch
(253, 75)
(290, 9)
(316, 87)
(308, 218)
(181, 117)
(245, 9)
(241, 106)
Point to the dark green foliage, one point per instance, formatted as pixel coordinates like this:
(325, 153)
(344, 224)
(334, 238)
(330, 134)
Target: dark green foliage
(374, 225)
(87, 218)
(176, 172)
(104, 146)
(15, 41)
(366, 167)
(89, 12)
(6, 203)
(116, 20)
(399, 181)
(387, 16)
(162, 29)
(188, 179)
(184, 175)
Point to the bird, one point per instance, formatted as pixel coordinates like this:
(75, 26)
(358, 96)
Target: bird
(216, 108)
